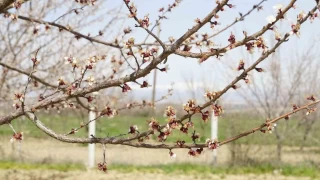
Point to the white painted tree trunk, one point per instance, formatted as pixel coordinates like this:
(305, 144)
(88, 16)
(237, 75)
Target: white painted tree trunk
(214, 134)
(92, 131)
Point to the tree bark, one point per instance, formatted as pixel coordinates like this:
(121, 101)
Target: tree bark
(4, 4)
(279, 145)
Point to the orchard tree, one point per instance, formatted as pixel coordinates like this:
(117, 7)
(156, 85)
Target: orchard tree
(36, 36)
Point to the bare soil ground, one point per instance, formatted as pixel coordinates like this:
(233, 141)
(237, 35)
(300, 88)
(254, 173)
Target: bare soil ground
(33, 150)
(52, 151)
(113, 175)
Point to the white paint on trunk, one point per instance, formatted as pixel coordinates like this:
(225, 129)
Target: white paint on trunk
(214, 134)
(92, 131)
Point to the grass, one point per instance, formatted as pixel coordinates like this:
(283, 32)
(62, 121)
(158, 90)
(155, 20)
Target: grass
(30, 166)
(229, 125)
(287, 170)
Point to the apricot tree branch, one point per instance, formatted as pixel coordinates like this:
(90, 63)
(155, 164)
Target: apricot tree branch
(196, 27)
(126, 141)
(27, 74)
(69, 30)
(254, 36)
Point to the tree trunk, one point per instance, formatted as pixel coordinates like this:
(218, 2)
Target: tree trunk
(279, 145)
(279, 150)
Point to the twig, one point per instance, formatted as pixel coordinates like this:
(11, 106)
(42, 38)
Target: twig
(146, 29)
(82, 126)
(28, 74)
(29, 79)
(69, 12)
(242, 17)
(126, 60)
(195, 28)
(10, 125)
(135, 58)
(82, 76)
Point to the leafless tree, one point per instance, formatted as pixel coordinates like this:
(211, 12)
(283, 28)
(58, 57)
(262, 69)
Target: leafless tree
(286, 80)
